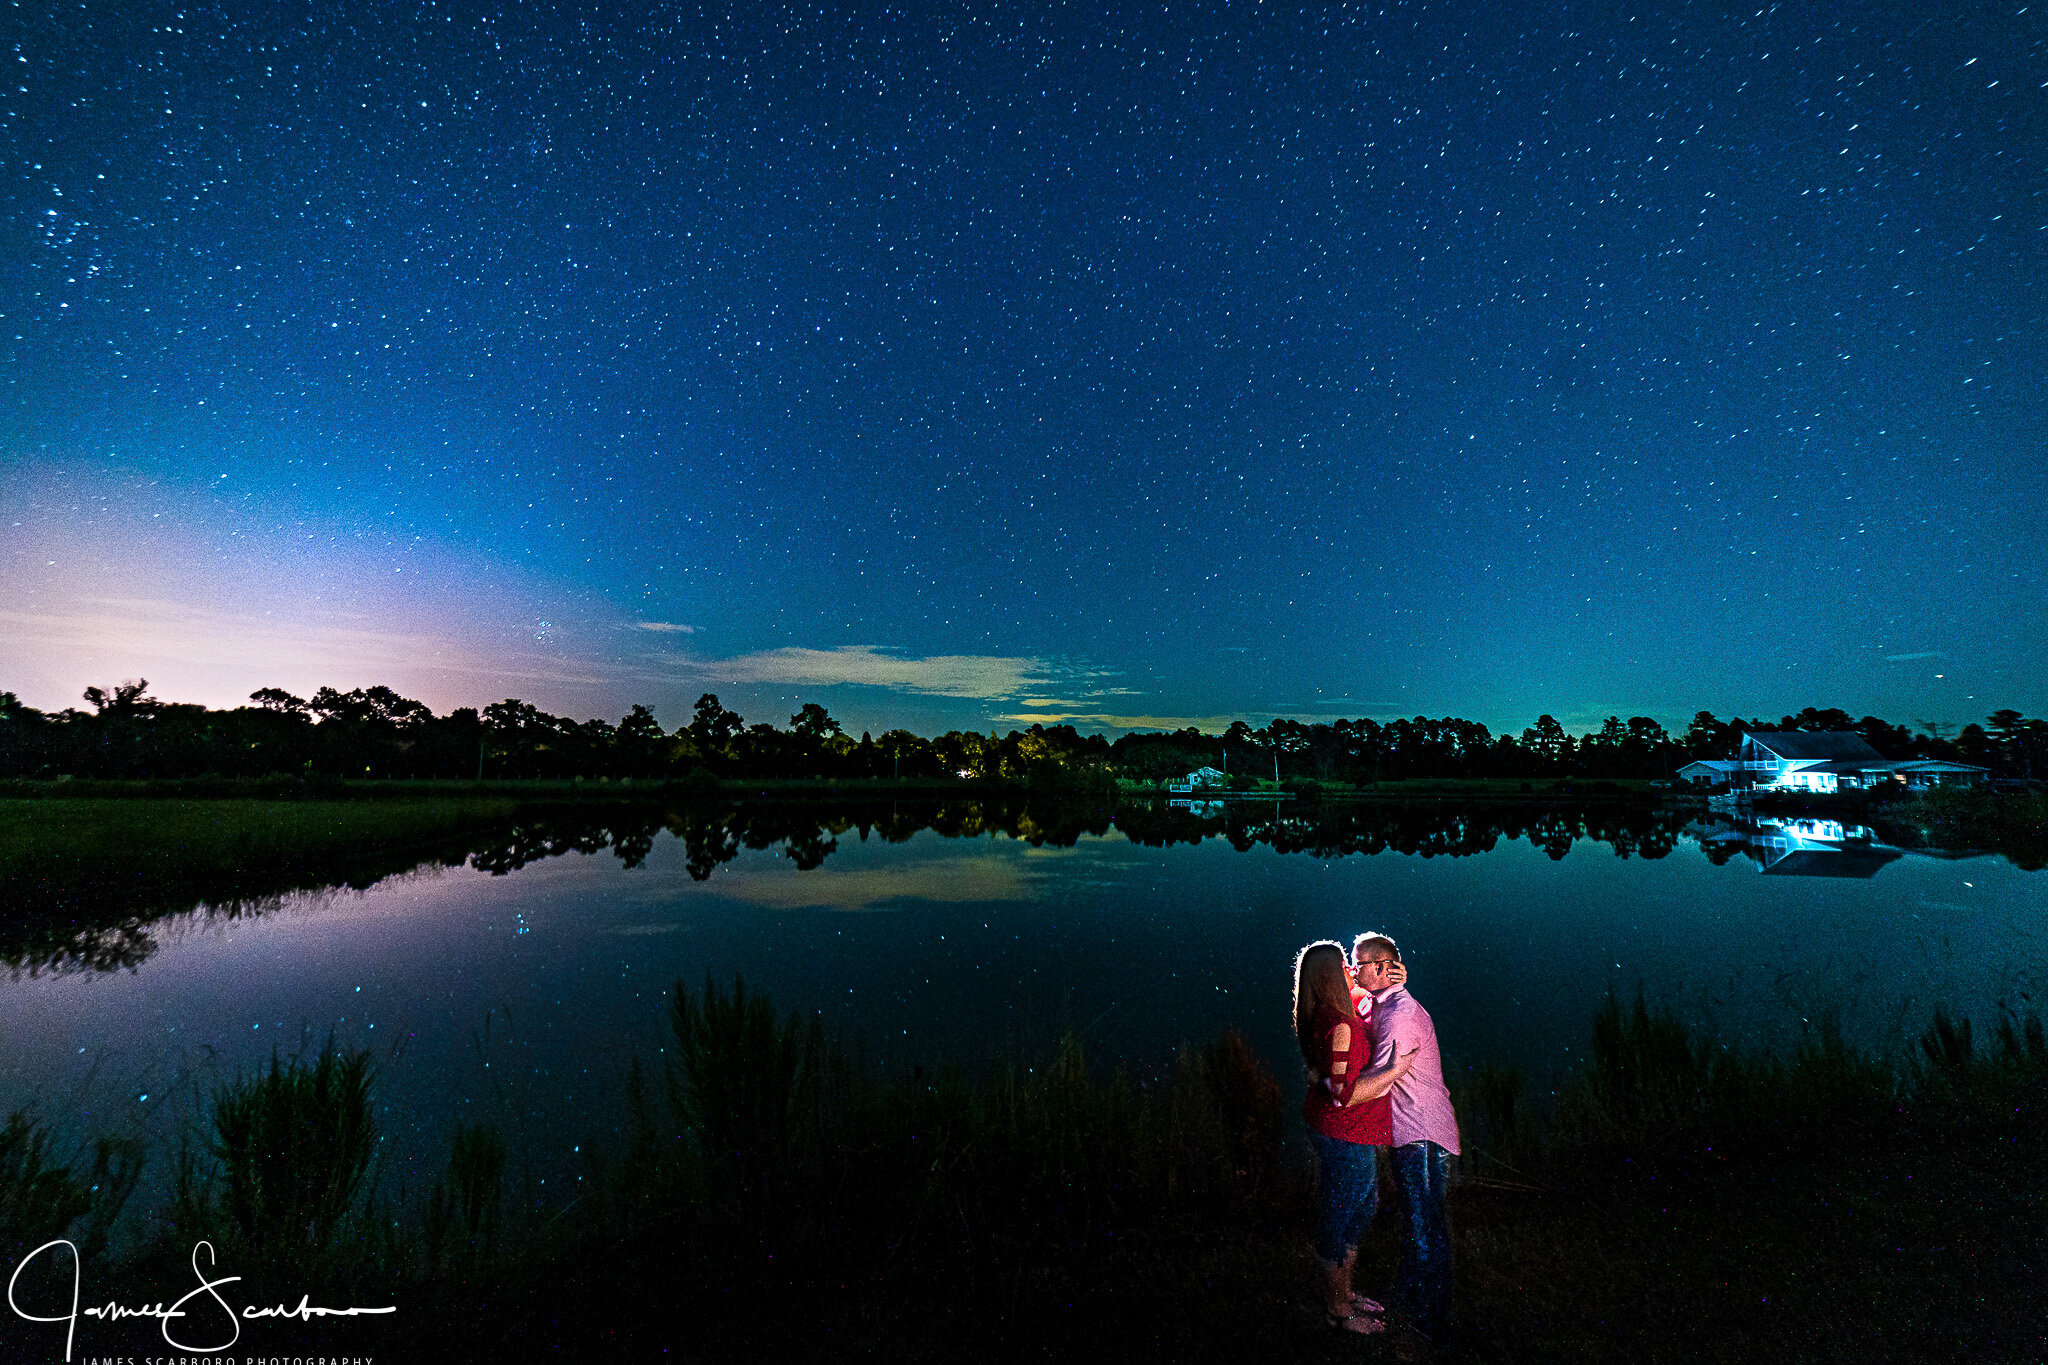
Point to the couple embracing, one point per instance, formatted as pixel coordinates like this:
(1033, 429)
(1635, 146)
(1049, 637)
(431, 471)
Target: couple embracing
(1375, 1080)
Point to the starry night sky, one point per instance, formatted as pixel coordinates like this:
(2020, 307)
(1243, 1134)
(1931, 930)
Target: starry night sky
(957, 365)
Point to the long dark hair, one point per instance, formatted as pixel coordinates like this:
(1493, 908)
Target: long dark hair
(1318, 981)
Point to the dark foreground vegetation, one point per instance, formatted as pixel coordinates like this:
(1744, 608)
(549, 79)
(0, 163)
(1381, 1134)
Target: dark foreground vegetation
(1674, 1200)
(374, 732)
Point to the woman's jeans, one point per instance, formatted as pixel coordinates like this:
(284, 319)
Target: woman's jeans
(1347, 1195)
(1423, 1285)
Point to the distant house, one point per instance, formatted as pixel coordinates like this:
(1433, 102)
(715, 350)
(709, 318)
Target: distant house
(1199, 779)
(1823, 762)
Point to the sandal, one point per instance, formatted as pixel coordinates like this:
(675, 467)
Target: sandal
(1356, 1324)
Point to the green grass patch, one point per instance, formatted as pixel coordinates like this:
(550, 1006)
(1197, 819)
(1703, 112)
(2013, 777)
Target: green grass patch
(80, 880)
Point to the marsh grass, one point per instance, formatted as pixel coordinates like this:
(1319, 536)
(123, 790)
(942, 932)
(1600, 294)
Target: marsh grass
(762, 1131)
(281, 1174)
(462, 1216)
(70, 847)
(1687, 1201)
(43, 1196)
(1682, 1201)
(1655, 1088)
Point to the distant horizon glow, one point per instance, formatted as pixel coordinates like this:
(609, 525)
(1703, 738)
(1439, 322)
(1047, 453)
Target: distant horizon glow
(1116, 369)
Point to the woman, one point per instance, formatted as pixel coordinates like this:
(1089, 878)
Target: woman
(1348, 1114)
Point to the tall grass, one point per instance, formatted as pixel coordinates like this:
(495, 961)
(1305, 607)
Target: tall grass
(771, 1135)
(42, 1196)
(766, 1165)
(1655, 1088)
(287, 1159)
(461, 1224)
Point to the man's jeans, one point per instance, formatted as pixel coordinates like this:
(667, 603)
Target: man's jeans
(1423, 1285)
(1347, 1195)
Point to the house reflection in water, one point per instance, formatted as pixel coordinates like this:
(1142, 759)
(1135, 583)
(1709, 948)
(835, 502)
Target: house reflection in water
(1800, 848)
(1201, 810)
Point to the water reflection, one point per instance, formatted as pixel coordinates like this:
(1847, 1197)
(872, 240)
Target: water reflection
(524, 969)
(62, 919)
(1790, 847)
(1201, 810)
(1798, 848)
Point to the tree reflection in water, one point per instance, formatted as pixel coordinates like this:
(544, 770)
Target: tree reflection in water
(60, 917)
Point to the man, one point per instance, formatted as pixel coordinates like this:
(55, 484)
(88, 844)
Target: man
(1425, 1136)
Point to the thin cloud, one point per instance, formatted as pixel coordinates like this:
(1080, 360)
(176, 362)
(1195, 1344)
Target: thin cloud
(160, 638)
(985, 677)
(667, 627)
(1908, 658)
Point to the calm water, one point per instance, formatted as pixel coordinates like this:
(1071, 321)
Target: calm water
(524, 997)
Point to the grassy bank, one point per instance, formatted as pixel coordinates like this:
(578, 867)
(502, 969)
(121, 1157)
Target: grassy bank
(551, 790)
(80, 878)
(1676, 1201)
(2015, 825)
(1541, 789)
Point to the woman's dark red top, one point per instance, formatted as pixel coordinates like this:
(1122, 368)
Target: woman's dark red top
(1370, 1122)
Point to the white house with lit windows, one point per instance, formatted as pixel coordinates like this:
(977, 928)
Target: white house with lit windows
(1822, 762)
(1200, 779)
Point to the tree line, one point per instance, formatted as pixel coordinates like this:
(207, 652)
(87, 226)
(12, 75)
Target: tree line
(376, 733)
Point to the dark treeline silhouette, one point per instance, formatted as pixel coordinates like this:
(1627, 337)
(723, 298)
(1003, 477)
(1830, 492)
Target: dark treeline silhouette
(374, 732)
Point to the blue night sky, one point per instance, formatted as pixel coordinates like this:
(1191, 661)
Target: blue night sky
(965, 365)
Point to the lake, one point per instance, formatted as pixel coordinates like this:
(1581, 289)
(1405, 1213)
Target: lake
(520, 983)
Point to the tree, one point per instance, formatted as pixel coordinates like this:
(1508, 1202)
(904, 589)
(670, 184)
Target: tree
(24, 735)
(126, 696)
(713, 728)
(277, 699)
(1645, 731)
(1706, 737)
(1810, 719)
(390, 708)
(1893, 741)
(1975, 746)
(909, 755)
(2021, 744)
(817, 742)
(1547, 740)
(639, 745)
(812, 723)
